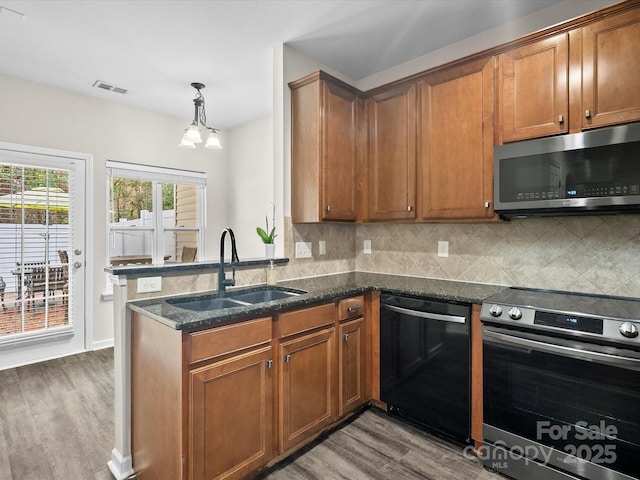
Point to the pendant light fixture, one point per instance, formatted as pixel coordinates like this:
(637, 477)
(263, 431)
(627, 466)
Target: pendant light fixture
(192, 132)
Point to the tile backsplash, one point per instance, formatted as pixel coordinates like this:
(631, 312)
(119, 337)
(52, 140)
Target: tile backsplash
(593, 254)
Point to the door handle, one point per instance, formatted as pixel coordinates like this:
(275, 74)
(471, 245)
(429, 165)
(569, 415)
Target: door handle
(346, 337)
(77, 264)
(287, 358)
(428, 316)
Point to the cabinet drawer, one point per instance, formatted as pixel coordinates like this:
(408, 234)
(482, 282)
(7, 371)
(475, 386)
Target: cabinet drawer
(302, 320)
(351, 307)
(232, 338)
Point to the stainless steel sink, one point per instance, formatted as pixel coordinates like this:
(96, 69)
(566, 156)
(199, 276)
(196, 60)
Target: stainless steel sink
(205, 304)
(230, 299)
(264, 295)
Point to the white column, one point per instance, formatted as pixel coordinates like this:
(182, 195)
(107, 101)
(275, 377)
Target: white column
(120, 463)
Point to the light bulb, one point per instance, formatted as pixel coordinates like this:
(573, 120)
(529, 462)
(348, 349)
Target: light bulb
(213, 141)
(192, 134)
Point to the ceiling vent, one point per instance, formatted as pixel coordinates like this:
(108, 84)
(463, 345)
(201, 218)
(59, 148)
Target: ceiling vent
(110, 87)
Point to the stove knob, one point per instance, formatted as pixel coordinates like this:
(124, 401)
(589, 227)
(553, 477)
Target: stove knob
(629, 330)
(495, 310)
(515, 313)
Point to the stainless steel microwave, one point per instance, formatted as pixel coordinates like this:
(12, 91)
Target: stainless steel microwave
(592, 172)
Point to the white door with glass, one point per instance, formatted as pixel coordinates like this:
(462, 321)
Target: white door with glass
(42, 254)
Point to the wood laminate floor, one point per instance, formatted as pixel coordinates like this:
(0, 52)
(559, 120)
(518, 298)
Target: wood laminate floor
(57, 419)
(375, 446)
(57, 422)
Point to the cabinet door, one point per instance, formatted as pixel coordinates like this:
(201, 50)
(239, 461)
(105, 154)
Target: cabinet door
(307, 394)
(339, 153)
(611, 70)
(324, 154)
(351, 365)
(456, 171)
(533, 92)
(392, 154)
(232, 441)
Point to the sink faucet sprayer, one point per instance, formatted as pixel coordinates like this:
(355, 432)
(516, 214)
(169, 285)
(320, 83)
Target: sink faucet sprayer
(224, 282)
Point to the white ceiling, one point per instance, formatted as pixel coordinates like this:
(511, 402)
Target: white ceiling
(155, 49)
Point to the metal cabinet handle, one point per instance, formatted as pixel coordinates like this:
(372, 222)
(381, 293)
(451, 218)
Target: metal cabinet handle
(346, 337)
(560, 118)
(427, 315)
(354, 308)
(287, 358)
(328, 208)
(269, 363)
(487, 204)
(409, 208)
(587, 114)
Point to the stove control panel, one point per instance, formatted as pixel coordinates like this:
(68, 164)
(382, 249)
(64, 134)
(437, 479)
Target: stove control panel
(612, 329)
(599, 318)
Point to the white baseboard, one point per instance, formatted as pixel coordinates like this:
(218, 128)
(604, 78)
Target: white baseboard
(108, 343)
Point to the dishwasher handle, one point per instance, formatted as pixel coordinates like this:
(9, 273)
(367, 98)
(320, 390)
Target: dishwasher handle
(428, 315)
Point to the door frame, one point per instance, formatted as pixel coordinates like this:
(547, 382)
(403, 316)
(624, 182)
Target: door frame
(87, 160)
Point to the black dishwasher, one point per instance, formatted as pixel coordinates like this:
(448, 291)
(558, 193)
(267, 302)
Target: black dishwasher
(424, 363)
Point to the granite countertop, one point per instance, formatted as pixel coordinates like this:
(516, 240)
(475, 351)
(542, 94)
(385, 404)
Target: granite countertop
(318, 289)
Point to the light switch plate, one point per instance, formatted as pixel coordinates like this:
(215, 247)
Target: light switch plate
(443, 248)
(322, 247)
(303, 249)
(149, 284)
(366, 247)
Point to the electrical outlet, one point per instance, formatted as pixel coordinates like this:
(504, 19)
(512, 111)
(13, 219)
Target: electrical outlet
(367, 247)
(322, 247)
(303, 249)
(443, 248)
(149, 284)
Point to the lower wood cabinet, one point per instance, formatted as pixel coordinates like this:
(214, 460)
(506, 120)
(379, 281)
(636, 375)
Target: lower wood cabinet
(351, 361)
(222, 403)
(307, 377)
(231, 416)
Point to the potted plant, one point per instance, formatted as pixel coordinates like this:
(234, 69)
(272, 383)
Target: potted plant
(268, 236)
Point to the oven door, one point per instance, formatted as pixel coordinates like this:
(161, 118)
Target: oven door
(570, 406)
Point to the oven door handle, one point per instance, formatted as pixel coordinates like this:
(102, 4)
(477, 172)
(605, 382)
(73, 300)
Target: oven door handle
(427, 315)
(598, 357)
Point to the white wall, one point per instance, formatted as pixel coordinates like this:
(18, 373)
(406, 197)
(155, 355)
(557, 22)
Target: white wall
(249, 185)
(38, 115)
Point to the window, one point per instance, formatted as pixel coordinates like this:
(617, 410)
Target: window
(156, 215)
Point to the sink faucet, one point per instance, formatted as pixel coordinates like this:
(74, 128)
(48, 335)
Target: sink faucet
(224, 282)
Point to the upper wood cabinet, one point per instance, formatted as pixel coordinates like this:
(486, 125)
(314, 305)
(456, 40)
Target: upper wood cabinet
(392, 153)
(611, 70)
(456, 143)
(324, 149)
(533, 94)
(579, 79)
